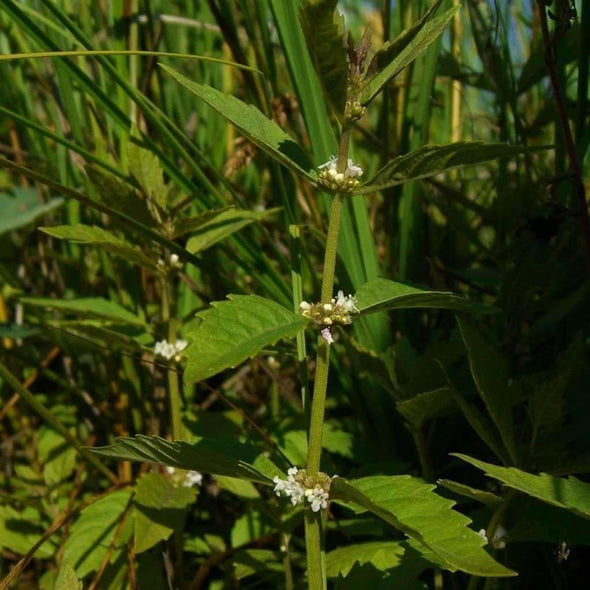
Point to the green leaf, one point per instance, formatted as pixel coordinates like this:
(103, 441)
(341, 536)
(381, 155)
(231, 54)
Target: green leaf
(147, 170)
(161, 509)
(22, 206)
(434, 159)
(215, 456)
(87, 306)
(118, 195)
(482, 496)
(569, 493)
(426, 406)
(490, 373)
(382, 295)
(382, 555)
(323, 28)
(251, 561)
(19, 531)
(239, 487)
(56, 455)
(93, 533)
(253, 124)
(67, 579)
(393, 57)
(235, 330)
(410, 505)
(215, 228)
(96, 236)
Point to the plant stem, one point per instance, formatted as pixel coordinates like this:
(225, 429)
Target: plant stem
(313, 521)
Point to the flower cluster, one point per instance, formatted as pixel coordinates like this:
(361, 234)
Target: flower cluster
(300, 487)
(333, 180)
(338, 311)
(354, 110)
(173, 262)
(170, 351)
(185, 478)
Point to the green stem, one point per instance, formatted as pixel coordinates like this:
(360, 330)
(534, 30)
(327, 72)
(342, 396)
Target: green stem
(313, 522)
(175, 400)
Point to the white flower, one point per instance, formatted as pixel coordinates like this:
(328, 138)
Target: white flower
(187, 479)
(331, 166)
(327, 336)
(353, 170)
(499, 538)
(169, 351)
(317, 497)
(482, 534)
(347, 302)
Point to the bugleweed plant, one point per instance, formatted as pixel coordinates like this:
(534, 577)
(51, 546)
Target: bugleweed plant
(207, 380)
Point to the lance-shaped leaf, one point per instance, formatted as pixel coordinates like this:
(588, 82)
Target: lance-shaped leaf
(490, 373)
(87, 306)
(323, 28)
(207, 230)
(22, 206)
(411, 506)
(434, 159)
(393, 57)
(569, 493)
(253, 124)
(96, 236)
(382, 295)
(147, 170)
(215, 456)
(235, 330)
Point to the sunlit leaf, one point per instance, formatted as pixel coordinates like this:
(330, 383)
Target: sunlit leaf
(234, 330)
(393, 57)
(260, 130)
(22, 206)
(382, 555)
(411, 506)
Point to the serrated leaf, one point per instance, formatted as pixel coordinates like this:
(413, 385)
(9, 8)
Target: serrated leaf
(571, 493)
(235, 330)
(323, 29)
(253, 124)
(147, 170)
(22, 206)
(426, 406)
(220, 226)
(161, 509)
(118, 195)
(96, 236)
(394, 57)
(382, 555)
(434, 159)
(215, 456)
(87, 306)
(461, 489)
(67, 579)
(93, 533)
(490, 373)
(411, 506)
(382, 295)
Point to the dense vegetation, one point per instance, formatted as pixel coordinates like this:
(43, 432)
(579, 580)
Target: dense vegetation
(248, 246)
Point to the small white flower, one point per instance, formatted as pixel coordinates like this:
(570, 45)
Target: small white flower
(353, 170)
(499, 538)
(174, 259)
(347, 302)
(193, 478)
(317, 497)
(304, 306)
(482, 534)
(330, 164)
(170, 351)
(327, 336)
